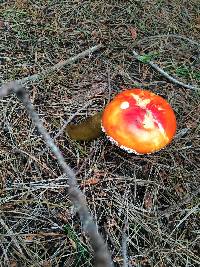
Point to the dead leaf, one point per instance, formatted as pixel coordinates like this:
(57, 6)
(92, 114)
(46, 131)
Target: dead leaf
(21, 4)
(118, 259)
(179, 189)
(46, 263)
(13, 263)
(64, 216)
(34, 92)
(95, 33)
(73, 243)
(133, 33)
(29, 238)
(197, 23)
(148, 200)
(90, 181)
(2, 24)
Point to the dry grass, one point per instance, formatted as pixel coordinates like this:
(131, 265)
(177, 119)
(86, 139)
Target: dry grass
(155, 195)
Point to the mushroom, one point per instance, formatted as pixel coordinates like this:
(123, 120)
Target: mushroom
(136, 120)
(86, 130)
(139, 121)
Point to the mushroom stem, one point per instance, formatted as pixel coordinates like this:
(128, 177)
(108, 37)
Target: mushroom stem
(89, 129)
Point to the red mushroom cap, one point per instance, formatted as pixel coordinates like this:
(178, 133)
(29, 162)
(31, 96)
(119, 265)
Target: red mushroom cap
(139, 121)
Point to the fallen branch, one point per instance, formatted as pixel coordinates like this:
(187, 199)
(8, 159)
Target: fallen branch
(177, 207)
(165, 74)
(176, 36)
(102, 256)
(124, 244)
(14, 86)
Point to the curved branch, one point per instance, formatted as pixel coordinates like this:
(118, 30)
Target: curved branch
(165, 74)
(102, 256)
(14, 86)
(169, 35)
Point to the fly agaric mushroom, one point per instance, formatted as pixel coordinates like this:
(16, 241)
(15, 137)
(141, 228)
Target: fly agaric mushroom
(139, 121)
(136, 120)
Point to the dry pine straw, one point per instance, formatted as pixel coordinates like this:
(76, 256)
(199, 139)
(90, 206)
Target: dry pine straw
(156, 194)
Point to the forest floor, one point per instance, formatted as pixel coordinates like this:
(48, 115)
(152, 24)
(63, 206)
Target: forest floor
(148, 204)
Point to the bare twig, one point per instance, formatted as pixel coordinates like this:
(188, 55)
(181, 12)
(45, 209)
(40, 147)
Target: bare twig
(124, 244)
(14, 86)
(125, 232)
(71, 118)
(165, 74)
(167, 36)
(93, 93)
(175, 208)
(10, 233)
(100, 250)
(101, 253)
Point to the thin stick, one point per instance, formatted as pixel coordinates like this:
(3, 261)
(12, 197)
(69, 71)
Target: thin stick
(124, 244)
(102, 256)
(167, 36)
(14, 86)
(175, 208)
(165, 74)
(124, 234)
